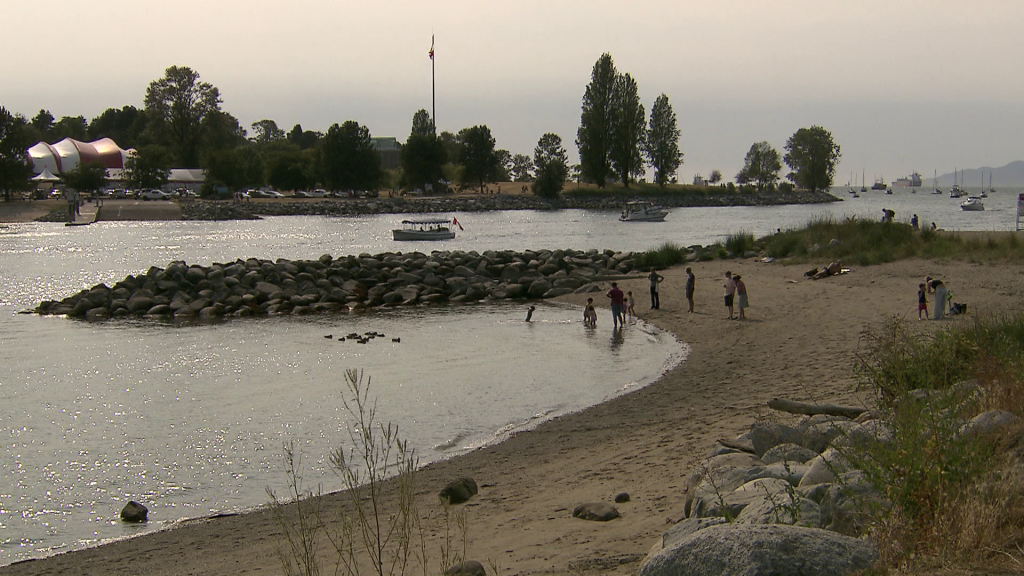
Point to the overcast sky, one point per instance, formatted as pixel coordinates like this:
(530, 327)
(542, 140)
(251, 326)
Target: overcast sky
(902, 85)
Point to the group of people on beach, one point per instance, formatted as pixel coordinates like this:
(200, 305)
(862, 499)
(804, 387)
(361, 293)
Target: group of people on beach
(623, 303)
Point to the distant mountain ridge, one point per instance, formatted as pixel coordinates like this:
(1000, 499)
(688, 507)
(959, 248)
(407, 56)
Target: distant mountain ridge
(1009, 176)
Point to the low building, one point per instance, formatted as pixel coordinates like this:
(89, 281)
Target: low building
(390, 152)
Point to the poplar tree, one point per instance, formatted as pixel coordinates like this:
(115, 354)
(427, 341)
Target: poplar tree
(662, 144)
(595, 135)
(552, 166)
(629, 130)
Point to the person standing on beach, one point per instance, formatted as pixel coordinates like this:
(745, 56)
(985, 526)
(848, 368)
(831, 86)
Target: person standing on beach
(616, 297)
(741, 292)
(529, 313)
(730, 293)
(922, 302)
(630, 306)
(655, 279)
(939, 289)
(691, 282)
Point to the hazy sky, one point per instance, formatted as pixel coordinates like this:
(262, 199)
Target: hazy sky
(902, 85)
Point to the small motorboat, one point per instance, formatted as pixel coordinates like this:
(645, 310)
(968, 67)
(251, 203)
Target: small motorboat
(971, 205)
(429, 229)
(642, 211)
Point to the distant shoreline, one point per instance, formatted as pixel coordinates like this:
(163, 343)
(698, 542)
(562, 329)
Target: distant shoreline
(591, 199)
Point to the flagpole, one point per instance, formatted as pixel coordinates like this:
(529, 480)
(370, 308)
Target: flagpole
(433, 100)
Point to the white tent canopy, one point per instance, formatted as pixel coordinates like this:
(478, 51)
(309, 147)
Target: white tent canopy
(45, 176)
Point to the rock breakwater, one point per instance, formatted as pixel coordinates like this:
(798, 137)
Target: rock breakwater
(210, 210)
(259, 287)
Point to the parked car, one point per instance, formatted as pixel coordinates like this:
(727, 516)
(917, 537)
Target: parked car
(266, 194)
(119, 193)
(154, 195)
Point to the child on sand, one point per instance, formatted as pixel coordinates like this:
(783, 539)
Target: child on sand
(589, 314)
(629, 305)
(922, 302)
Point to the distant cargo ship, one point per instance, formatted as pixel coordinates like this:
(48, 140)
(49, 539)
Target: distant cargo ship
(912, 181)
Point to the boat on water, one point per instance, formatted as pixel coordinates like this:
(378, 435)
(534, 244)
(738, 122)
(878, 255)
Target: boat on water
(642, 211)
(425, 229)
(912, 181)
(880, 185)
(956, 191)
(972, 205)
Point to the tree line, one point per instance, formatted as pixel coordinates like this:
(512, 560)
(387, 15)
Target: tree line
(182, 124)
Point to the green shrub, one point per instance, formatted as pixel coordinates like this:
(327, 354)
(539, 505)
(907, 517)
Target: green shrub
(740, 243)
(666, 255)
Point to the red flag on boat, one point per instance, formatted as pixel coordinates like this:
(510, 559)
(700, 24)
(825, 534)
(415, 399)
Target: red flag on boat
(455, 222)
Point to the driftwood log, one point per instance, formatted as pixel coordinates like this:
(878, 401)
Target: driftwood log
(794, 407)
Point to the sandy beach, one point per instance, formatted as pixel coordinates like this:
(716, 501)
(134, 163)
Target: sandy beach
(799, 342)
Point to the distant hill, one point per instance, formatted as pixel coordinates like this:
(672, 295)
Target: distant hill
(1009, 176)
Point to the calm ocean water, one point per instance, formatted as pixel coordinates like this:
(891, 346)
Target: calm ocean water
(190, 419)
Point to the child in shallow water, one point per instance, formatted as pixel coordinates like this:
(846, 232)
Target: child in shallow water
(589, 314)
(630, 302)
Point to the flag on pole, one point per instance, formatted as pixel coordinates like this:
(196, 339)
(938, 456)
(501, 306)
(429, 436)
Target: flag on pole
(455, 221)
(431, 53)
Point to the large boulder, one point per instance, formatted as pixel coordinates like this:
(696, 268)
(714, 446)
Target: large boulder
(596, 511)
(753, 550)
(134, 512)
(458, 491)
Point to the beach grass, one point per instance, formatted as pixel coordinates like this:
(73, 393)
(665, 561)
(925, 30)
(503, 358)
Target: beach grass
(956, 497)
(863, 242)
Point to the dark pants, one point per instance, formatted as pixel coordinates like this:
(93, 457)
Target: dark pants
(655, 301)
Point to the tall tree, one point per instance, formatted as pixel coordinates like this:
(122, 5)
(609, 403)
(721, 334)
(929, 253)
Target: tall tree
(236, 168)
(423, 155)
(88, 177)
(74, 127)
(422, 124)
(761, 166)
(812, 155)
(628, 129)
(504, 165)
(348, 160)
(595, 135)
(177, 105)
(552, 166)
(522, 165)
(124, 126)
(288, 166)
(221, 131)
(662, 144)
(266, 131)
(148, 167)
(304, 139)
(43, 121)
(716, 176)
(479, 159)
(15, 168)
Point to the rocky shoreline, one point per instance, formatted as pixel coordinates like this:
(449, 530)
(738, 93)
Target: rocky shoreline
(227, 210)
(259, 287)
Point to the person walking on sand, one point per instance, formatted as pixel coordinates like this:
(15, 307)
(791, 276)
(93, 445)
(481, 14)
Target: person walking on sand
(655, 279)
(730, 293)
(616, 297)
(529, 313)
(589, 314)
(741, 293)
(691, 281)
(922, 302)
(630, 303)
